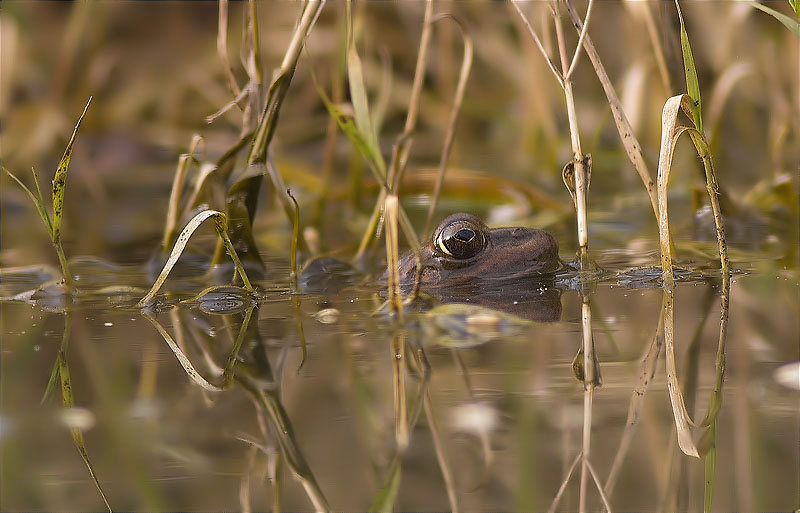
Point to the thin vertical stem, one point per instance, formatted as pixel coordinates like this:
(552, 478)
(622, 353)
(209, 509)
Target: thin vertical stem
(587, 440)
(581, 178)
(447, 476)
(400, 158)
(400, 408)
(62, 260)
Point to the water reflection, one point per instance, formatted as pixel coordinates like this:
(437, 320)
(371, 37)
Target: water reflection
(460, 406)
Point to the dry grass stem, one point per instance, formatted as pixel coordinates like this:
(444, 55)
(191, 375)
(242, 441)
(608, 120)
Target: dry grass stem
(564, 483)
(466, 66)
(280, 84)
(602, 493)
(647, 371)
(556, 73)
(393, 254)
(401, 427)
(447, 475)
(629, 140)
(249, 88)
(400, 157)
(581, 173)
(222, 48)
(658, 47)
(584, 31)
(176, 192)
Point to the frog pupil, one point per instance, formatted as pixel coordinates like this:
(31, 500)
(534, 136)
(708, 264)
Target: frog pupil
(464, 235)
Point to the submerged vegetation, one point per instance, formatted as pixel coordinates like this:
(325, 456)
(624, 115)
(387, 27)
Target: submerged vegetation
(483, 129)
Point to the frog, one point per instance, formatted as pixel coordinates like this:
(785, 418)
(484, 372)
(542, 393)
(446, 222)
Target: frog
(463, 249)
(510, 269)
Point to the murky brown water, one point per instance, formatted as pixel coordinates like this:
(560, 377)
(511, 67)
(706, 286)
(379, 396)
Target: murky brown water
(508, 413)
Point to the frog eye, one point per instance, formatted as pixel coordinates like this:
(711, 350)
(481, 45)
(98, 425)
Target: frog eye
(461, 239)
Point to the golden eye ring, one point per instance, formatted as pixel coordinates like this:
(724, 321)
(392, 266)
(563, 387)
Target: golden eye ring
(462, 237)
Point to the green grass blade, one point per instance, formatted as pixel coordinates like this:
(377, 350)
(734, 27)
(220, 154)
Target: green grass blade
(36, 202)
(227, 374)
(60, 179)
(374, 158)
(295, 237)
(793, 25)
(387, 495)
(692, 84)
(51, 383)
(710, 465)
(358, 91)
(44, 213)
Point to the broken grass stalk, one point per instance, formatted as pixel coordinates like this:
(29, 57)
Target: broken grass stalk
(393, 254)
(184, 161)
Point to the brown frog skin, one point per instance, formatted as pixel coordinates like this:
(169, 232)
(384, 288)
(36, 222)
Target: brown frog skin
(464, 250)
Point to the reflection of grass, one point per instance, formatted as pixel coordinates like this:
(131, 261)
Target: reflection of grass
(61, 373)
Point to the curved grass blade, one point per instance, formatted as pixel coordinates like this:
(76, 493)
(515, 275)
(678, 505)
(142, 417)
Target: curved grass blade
(793, 25)
(220, 223)
(670, 131)
(37, 202)
(60, 179)
(692, 84)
